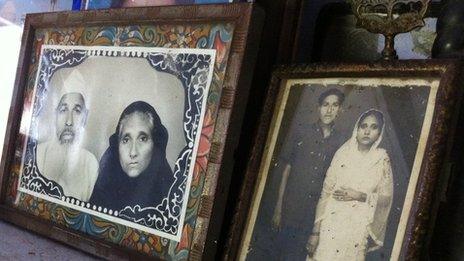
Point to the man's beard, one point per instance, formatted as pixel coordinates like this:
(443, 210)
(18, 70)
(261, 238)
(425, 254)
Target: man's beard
(65, 157)
(67, 137)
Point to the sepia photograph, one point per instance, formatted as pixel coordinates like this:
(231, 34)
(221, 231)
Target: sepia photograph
(113, 132)
(339, 170)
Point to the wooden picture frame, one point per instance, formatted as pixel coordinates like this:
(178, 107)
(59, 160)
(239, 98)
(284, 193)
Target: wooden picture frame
(90, 4)
(294, 101)
(67, 100)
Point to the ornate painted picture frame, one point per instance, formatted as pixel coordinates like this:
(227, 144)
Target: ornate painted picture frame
(118, 123)
(347, 161)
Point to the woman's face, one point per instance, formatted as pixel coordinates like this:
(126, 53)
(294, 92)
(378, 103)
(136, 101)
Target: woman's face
(135, 143)
(368, 131)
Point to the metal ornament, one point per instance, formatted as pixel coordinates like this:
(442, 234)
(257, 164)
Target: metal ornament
(389, 17)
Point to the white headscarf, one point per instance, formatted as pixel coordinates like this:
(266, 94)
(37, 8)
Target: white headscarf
(373, 161)
(351, 146)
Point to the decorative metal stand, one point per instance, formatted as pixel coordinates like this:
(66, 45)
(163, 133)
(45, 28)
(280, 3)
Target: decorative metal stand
(389, 17)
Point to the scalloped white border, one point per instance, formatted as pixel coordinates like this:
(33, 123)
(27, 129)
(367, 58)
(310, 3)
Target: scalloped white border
(118, 51)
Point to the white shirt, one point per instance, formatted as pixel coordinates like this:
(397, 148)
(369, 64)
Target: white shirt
(74, 168)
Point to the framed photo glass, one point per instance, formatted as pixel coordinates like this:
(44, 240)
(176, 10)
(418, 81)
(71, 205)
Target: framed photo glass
(109, 143)
(346, 162)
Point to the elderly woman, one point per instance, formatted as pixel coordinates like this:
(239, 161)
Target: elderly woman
(357, 194)
(134, 170)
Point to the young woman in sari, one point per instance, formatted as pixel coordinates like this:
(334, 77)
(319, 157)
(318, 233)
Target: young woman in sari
(352, 212)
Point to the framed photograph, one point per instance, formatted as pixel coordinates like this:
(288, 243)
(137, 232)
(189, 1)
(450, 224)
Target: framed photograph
(346, 162)
(118, 126)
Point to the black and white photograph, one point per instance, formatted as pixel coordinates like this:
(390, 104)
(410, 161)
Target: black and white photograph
(114, 131)
(339, 170)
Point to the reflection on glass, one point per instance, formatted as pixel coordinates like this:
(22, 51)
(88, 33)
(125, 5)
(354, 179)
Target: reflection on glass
(12, 15)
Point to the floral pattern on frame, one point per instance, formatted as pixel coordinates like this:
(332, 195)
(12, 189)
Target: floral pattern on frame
(217, 36)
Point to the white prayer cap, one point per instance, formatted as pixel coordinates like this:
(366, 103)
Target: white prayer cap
(69, 81)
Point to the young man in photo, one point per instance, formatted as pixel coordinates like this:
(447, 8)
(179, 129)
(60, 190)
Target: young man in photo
(305, 161)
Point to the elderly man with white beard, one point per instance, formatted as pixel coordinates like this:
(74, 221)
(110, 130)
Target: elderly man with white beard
(61, 158)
